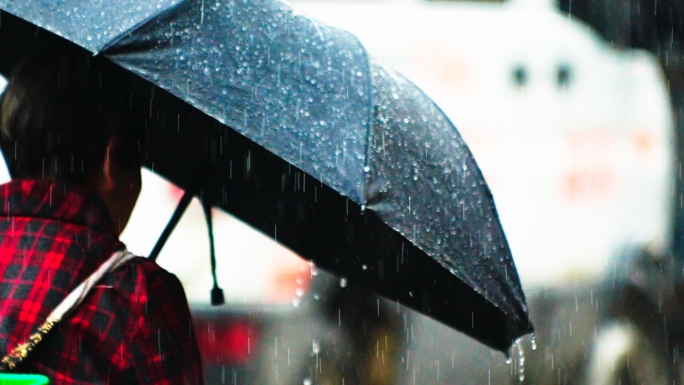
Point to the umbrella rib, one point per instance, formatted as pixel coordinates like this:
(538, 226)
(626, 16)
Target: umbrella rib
(113, 42)
(369, 133)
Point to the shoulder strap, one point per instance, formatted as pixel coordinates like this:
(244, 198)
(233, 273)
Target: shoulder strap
(69, 303)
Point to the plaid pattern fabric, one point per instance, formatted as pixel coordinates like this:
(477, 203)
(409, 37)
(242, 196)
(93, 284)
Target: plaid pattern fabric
(133, 328)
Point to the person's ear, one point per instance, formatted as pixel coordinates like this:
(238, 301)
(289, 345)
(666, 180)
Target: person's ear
(109, 166)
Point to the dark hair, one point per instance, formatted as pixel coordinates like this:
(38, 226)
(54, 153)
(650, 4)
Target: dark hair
(57, 115)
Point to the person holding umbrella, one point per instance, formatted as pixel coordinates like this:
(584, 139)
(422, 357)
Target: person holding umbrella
(74, 147)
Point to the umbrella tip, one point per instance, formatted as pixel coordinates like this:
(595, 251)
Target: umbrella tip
(217, 296)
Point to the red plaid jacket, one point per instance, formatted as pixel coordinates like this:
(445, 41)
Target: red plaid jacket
(133, 328)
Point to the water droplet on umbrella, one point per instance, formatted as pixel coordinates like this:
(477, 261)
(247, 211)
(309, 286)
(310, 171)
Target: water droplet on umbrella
(299, 292)
(315, 347)
(307, 381)
(364, 267)
(316, 296)
(366, 168)
(533, 341)
(296, 302)
(343, 282)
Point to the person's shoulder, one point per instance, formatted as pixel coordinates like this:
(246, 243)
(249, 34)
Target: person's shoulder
(147, 266)
(140, 275)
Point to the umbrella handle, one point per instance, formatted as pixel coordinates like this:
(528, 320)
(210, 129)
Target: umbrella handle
(217, 297)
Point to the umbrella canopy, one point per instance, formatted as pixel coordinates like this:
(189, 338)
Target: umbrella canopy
(290, 126)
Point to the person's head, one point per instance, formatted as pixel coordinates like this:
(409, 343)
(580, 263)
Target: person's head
(65, 122)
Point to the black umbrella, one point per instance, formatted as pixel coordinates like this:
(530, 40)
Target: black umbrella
(288, 125)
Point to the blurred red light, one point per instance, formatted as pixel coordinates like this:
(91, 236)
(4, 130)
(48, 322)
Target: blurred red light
(227, 342)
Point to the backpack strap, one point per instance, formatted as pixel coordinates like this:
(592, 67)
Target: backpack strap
(18, 354)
